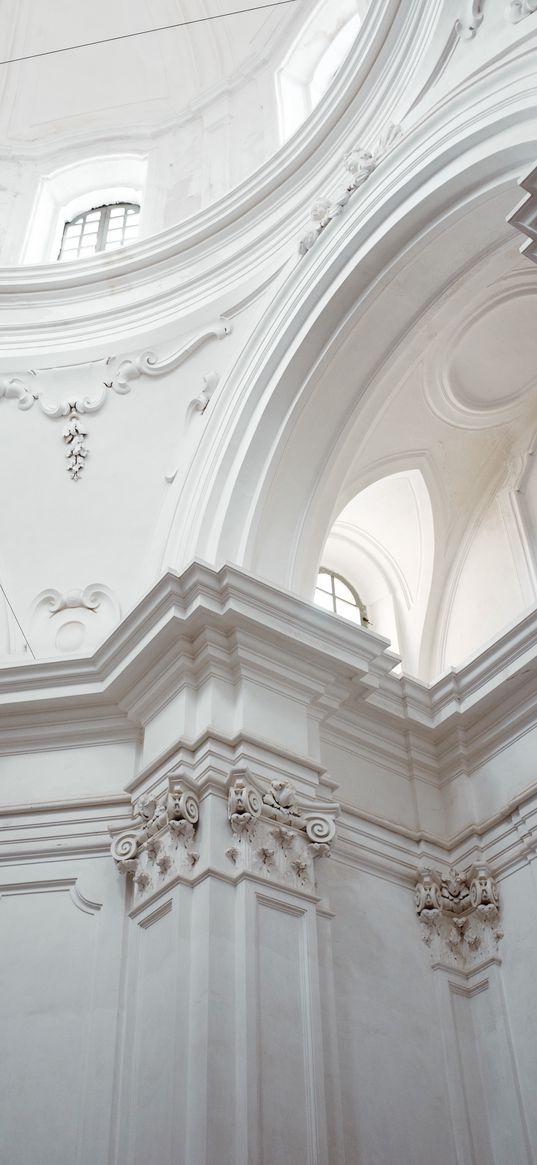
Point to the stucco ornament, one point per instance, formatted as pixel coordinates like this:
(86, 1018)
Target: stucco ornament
(359, 164)
(277, 834)
(517, 9)
(469, 19)
(20, 388)
(159, 842)
(74, 436)
(244, 806)
(73, 620)
(459, 916)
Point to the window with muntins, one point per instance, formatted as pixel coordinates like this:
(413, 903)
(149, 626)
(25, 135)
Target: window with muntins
(335, 594)
(104, 228)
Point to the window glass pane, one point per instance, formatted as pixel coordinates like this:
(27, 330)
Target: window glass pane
(348, 611)
(323, 600)
(341, 599)
(102, 228)
(343, 591)
(324, 582)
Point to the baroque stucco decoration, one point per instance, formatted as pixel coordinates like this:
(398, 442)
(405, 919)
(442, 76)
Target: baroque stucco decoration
(16, 387)
(469, 20)
(359, 164)
(158, 845)
(459, 916)
(75, 620)
(471, 15)
(518, 9)
(277, 835)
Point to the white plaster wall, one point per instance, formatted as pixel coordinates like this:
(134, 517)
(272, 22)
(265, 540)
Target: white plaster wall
(488, 595)
(60, 971)
(519, 955)
(130, 1086)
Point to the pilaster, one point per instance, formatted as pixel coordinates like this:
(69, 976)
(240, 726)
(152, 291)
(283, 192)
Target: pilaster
(222, 992)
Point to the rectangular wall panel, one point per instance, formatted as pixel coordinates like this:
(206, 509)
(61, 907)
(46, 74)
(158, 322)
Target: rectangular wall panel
(284, 1048)
(153, 1053)
(48, 968)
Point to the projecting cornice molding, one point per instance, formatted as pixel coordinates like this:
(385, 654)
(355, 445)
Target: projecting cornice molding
(133, 665)
(524, 216)
(218, 624)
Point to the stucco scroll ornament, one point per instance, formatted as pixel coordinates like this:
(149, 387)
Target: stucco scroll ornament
(359, 164)
(277, 834)
(74, 434)
(459, 915)
(471, 16)
(159, 842)
(517, 9)
(147, 363)
(244, 806)
(14, 388)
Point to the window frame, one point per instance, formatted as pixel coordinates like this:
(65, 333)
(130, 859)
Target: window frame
(333, 575)
(105, 217)
(70, 190)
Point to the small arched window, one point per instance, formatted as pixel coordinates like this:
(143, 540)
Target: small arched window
(103, 228)
(335, 594)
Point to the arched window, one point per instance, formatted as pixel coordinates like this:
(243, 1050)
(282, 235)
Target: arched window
(315, 56)
(335, 594)
(103, 228)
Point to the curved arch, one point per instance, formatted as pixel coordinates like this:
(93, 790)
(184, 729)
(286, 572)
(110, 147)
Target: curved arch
(282, 379)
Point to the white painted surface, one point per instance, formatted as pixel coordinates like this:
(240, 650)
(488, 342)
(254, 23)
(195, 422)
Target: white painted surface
(241, 998)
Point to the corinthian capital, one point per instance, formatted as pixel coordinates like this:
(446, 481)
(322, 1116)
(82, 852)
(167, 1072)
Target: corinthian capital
(459, 915)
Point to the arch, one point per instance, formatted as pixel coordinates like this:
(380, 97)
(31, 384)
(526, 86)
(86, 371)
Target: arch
(303, 421)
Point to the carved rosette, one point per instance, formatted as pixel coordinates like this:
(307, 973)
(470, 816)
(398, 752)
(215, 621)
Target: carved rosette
(459, 916)
(276, 836)
(159, 845)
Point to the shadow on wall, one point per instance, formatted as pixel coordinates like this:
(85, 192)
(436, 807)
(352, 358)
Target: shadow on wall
(383, 543)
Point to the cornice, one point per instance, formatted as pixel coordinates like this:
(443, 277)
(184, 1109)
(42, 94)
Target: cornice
(207, 623)
(524, 216)
(197, 608)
